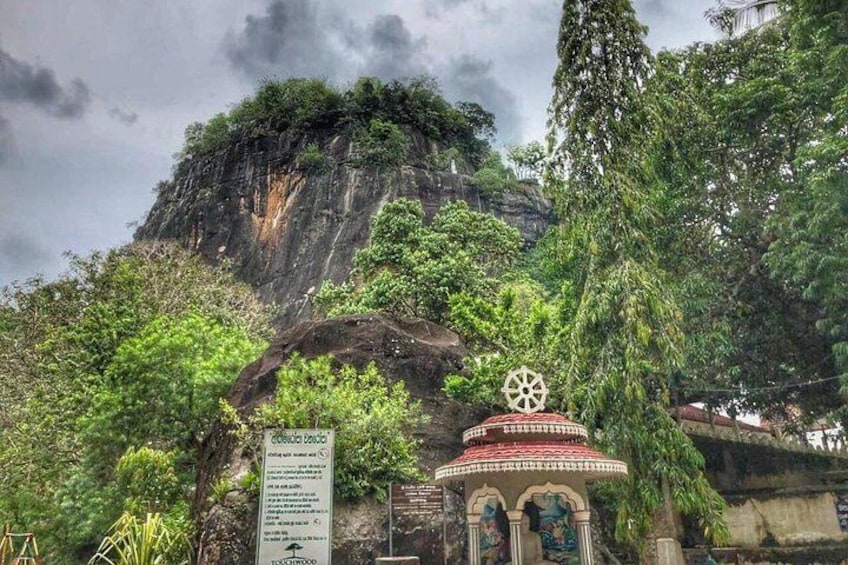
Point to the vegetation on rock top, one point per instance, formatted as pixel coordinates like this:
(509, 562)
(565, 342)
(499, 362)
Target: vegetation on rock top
(377, 113)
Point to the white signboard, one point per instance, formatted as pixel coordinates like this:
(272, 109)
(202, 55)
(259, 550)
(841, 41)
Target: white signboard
(296, 511)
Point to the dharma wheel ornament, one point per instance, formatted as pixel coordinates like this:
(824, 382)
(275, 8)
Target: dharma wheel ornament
(525, 391)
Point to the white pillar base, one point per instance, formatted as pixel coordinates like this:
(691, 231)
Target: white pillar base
(584, 537)
(669, 552)
(473, 539)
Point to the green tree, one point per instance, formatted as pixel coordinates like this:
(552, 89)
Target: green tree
(412, 269)
(625, 344)
(522, 325)
(384, 145)
(374, 421)
(493, 177)
(62, 348)
(528, 160)
(810, 254)
(748, 153)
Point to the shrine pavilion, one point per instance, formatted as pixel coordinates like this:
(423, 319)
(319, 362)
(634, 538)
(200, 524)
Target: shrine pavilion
(525, 477)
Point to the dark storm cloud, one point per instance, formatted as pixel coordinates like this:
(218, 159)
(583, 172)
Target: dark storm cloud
(394, 52)
(6, 142)
(23, 82)
(293, 38)
(470, 78)
(288, 40)
(123, 116)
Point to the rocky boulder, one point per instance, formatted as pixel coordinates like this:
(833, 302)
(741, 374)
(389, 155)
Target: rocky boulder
(417, 352)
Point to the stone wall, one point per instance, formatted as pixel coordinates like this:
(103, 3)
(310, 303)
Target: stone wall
(781, 499)
(784, 520)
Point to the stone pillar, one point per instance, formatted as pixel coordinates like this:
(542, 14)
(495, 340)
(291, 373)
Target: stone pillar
(474, 538)
(515, 541)
(584, 537)
(669, 552)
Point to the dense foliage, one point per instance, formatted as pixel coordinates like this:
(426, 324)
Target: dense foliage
(412, 269)
(493, 177)
(373, 421)
(626, 343)
(109, 377)
(702, 250)
(372, 110)
(750, 149)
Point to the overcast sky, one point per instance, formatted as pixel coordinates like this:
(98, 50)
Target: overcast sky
(95, 94)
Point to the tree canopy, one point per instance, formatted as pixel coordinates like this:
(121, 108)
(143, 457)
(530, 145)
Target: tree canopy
(412, 269)
(625, 343)
(109, 374)
(369, 108)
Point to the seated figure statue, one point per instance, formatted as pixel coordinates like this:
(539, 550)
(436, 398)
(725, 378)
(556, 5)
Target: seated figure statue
(531, 545)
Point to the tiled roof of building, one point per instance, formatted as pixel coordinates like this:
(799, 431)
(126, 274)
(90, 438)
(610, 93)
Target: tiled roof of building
(695, 414)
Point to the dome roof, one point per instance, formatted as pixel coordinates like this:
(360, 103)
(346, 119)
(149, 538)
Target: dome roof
(537, 442)
(515, 427)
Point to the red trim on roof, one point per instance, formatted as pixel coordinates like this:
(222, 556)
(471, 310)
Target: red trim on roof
(695, 414)
(520, 450)
(538, 417)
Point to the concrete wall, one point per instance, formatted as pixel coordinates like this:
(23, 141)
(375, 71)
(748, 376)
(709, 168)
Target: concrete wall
(784, 520)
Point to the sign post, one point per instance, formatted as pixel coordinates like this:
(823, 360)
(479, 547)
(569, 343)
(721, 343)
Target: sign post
(416, 505)
(296, 509)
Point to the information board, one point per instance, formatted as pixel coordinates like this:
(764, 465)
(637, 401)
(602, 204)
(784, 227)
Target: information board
(417, 523)
(417, 500)
(296, 511)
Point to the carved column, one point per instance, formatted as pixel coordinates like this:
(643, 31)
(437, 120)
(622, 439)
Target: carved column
(584, 537)
(515, 541)
(474, 538)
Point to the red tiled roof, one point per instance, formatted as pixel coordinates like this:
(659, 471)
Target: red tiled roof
(695, 414)
(523, 450)
(538, 417)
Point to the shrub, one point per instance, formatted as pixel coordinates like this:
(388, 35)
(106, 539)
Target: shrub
(493, 177)
(311, 160)
(383, 145)
(146, 480)
(373, 421)
(153, 541)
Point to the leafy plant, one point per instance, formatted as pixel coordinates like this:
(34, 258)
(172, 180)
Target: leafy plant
(312, 160)
(412, 269)
(221, 488)
(146, 480)
(105, 371)
(383, 145)
(374, 421)
(528, 159)
(625, 343)
(311, 105)
(493, 177)
(250, 483)
(149, 542)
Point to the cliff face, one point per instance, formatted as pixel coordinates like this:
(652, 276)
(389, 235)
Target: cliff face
(287, 230)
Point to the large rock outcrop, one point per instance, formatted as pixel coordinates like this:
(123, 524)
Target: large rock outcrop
(417, 352)
(287, 230)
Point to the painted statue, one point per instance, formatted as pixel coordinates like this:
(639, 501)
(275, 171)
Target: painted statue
(494, 534)
(552, 518)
